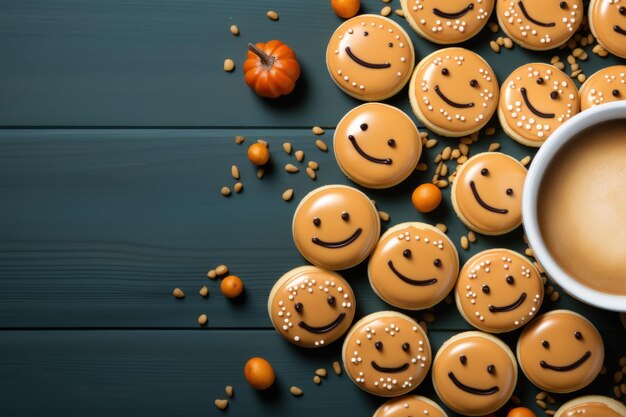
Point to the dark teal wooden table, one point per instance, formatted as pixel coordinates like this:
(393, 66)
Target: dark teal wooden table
(116, 135)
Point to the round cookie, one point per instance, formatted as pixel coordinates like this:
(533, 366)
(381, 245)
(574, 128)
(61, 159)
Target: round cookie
(487, 193)
(538, 24)
(592, 406)
(386, 353)
(454, 92)
(410, 406)
(607, 21)
(311, 307)
(498, 290)
(560, 351)
(414, 266)
(370, 57)
(335, 227)
(534, 100)
(447, 21)
(474, 373)
(604, 86)
(377, 145)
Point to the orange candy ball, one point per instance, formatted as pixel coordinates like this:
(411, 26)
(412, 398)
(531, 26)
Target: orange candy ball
(258, 154)
(426, 197)
(345, 8)
(231, 286)
(520, 412)
(259, 373)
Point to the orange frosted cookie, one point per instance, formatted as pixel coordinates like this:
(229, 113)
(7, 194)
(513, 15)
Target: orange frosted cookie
(474, 373)
(386, 353)
(410, 406)
(498, 290)
(604, 86)
(370, 57)
(311, 307)
(414, 266)
(454, 92)
(534, 100)
(336, 227)
(560, 351)
(592, 406)
(540, 24)
(607, 21)
(447, 21)
(377, 145)
(487, 193)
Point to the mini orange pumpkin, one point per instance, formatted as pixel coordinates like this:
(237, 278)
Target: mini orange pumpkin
(271, 69)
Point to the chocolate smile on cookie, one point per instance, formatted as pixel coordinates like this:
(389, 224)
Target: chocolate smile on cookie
(453, 91)
(604, 86)
(560, 351)
(498, 290)
(386, 353)
(447, 21)
(414, 266)
(377, 145)
(370, 57)
(607, 20)
(410, 406)
(311, 307)
(534, 100)
(474, 373)
(540, 25)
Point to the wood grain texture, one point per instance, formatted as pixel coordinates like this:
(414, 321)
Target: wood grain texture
(160, 63)
(181, 373)
(98, 226)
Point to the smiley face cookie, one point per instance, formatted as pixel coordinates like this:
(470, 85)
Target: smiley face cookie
(592, 406)
(498, 290)
(410, 406)
(487, 193)
(474, 373)
(311, 307)
(370, 57)
(607, 21)
(335, 227)
(538, 24)
(534, 100)
(414, 266)
(560, 351)
(604, 86)
(386, 353)
(377, 145)
(447, 21)
(454, 92)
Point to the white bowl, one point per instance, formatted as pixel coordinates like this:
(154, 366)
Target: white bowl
(559, 138)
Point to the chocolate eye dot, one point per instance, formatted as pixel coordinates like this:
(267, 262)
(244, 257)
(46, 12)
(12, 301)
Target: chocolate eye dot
(486, 289)
(473, 83)
(545, 344)
(406, 347)
(345, 216)
(392, 143)
(364, 127)
(331, 300)
(554, 95)
(390, 45)
(578, 335)
(510, 280)
(463, 359)
(563, 5)
(484, 172)
(491, 369)
(365, 33)
(539, 80)
(317, 221)
(437, 262)
(622, 10)
(509, 191)
(615, 93)
(378, 345)
(407, 253)
(445, 71)
(299, 307)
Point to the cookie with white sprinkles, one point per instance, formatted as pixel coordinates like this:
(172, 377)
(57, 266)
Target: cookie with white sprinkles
(604, 86)
(410, 406)
(607, 21)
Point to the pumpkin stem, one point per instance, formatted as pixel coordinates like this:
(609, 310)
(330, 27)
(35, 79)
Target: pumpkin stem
(266, 60)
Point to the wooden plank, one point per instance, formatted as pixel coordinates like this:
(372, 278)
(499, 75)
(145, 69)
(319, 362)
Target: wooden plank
(160, 63)
(98, 226)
